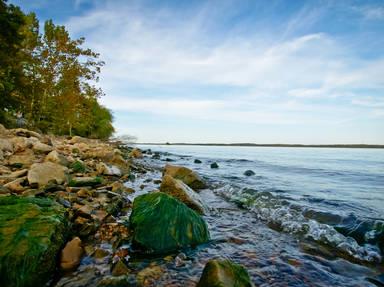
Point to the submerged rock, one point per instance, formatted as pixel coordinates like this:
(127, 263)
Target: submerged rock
(186, 175)
(182, 192)
(32, 232)
(224, 273)
(161, 223)
(214, 165)
(249, 172)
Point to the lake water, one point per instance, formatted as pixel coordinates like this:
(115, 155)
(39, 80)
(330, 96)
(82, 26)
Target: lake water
(320, 210)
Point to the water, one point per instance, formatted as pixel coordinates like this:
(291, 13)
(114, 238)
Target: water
(308, 217)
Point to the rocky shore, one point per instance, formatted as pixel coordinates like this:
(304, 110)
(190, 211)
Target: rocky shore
(64, 203)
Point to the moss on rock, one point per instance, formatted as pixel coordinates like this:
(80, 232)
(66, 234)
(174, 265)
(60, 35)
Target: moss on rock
(32, 232)
(224, 273)
(161, 223)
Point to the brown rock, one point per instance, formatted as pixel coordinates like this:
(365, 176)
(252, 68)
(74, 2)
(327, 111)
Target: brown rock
(120, 269)
(136, 153)
(6, 145)
(186, 175)
(25, 158)
(39, 147)
(26, 133)
(42, 173)
(182, 192)
(55, 157)
(71, 254)
(16, 185)
(149, 275)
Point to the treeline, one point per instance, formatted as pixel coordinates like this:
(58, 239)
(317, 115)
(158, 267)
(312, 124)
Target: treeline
(48, 80)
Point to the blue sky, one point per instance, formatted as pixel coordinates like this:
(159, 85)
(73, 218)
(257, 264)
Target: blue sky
(236, 71)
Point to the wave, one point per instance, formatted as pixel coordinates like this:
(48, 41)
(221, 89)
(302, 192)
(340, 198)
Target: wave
(352, 237)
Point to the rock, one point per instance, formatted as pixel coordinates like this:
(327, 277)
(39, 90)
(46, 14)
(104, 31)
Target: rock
(224, 273)
(6, 145)
(249, 172)
(55, 157)
(4, 190)
(15, 186)
(100, 253)
(120, 269)
(83, 193)
(103, 169)
(136, 153)
(3, 130)
(85, 181)
(214, 165)
(161, 223)
(21, 144)
(197, 161)
(186, 175)
(26, 133)
(1, 155)
(78, 139)
(182, 192)
(71, 254)
(32, 231)
(41, 174)
(149, 276)
(22, 159)
(39, 147)
(15, 174)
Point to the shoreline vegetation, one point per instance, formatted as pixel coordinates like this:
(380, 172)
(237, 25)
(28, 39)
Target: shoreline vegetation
(374, 146)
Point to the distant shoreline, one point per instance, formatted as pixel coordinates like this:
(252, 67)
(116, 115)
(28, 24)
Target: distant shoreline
(271, 145)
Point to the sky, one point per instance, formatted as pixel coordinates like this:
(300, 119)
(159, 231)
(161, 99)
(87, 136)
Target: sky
(257, 71)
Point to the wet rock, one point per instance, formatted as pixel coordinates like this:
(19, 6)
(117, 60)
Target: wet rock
(156, 156)
(71, 254)
(149, 276)
(136, 153)
(182, 192)
(224, 273)
(116, 281)
(39, 147)
(120, 269)
(32, 231)
(85, 181)
(197, 161)
(176, 225)
(41, 174)
(100, 253)
(55, 157)
(249, 172)
(186, 175)
(214, 165)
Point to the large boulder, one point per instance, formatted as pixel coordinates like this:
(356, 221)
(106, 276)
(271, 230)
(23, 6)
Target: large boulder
(182, 192)
(186, 175)
(32, 232)
(39, 147)
(161, 224)
(224, 273)
(41, 174)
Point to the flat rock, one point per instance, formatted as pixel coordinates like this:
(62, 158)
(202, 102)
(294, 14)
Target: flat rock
(42, 173)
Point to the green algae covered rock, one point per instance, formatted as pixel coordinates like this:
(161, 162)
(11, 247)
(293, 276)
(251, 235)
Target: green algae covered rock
(161, 223)
(224, 273)
(32, 232)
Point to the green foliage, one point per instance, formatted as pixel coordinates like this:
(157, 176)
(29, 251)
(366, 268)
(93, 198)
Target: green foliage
(161, 223)
(49, 78)
(32, 232)
(78, 166)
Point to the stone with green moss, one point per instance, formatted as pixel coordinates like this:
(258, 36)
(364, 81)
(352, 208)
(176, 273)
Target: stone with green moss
(224, 273)
(161, 223)
(32, 232)
(85, 181)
